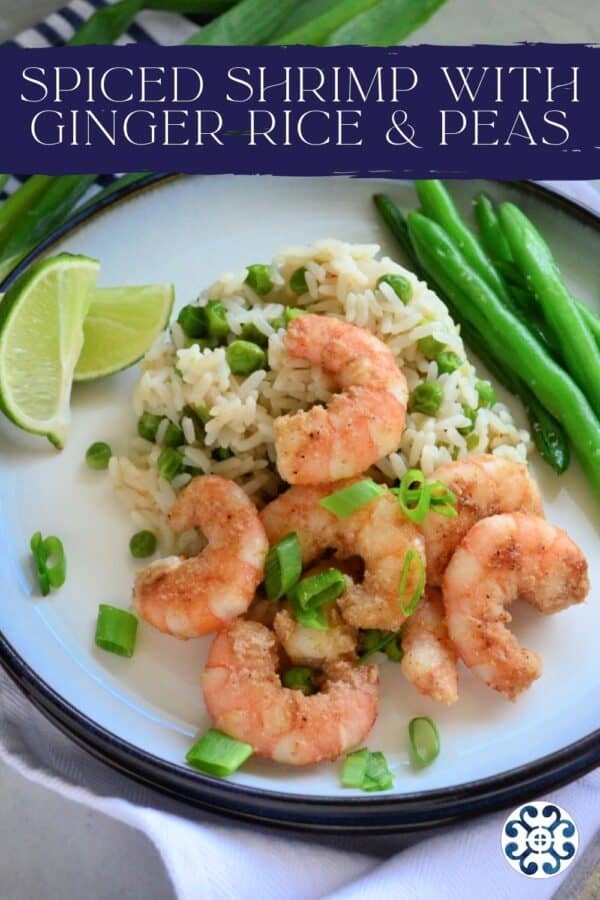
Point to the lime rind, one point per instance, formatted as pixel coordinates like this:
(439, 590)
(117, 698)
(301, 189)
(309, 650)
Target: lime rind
(41, 337)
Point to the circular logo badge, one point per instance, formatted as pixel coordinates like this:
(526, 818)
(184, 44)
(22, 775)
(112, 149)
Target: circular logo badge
(539, 839)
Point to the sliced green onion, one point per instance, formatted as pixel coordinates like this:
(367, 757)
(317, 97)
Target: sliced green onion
(448, 362)
(487, 394)
(216, 320)
(414, 502)
(222, 453)
(430, 347)
(409, 609)
(367, 771)
(393, 648)
(259, 278)
(348, 500)
(50, 561)
(377, 776)
(426, 398)
(116, 630)
(170, 463)
(355, 767)
(298, 281)
(424, 741)
(193, 321)
(310, 595)
(300, 678)
(443, 500)
(283, 566)
(173, 436)
(253, 334)
(142, 544)
(98, 455)
(244, 357)
(218, 754)
(372, 641)
(400, 285)
(148, 426)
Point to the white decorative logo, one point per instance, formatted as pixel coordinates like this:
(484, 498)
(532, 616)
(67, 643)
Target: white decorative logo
(539, 839)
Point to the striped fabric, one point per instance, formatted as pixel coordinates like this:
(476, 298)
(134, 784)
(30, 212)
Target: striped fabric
(149, 27)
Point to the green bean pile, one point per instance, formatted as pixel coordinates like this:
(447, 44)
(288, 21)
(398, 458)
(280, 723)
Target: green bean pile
(506, 292)
(44, 203)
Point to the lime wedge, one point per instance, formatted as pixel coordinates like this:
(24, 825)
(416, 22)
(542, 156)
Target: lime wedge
(121, 324)
(41, 336)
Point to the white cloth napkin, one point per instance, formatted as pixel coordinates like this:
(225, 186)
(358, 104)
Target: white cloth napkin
(213, 858)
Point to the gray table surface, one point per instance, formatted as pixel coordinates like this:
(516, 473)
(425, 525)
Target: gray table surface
(52, 848)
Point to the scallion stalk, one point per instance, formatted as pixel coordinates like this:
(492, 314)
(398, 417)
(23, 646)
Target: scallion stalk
(218, 754)
(350, 499)
(116, 630)
(283, 566)
(412, 555)
(424, 740)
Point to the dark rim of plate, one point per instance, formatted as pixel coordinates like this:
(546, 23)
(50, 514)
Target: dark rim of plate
(373, 814)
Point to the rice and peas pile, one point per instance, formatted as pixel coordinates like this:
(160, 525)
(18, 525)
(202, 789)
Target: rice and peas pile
(180, 378)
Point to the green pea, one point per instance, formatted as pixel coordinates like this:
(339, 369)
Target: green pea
(193, 321)
(170, 463)
(142, 544)
(298, 281)
(448, 362)
(300, 678)
(173, 436)
(292, 312)
(98, 455)
(401, 286)
(393, 649)
(487, 394)
(148, 426)
(244, 357)
(430, 347)
(259, 278)
(216, 320)
(253, 334)
(426, 398)
(471, 414)
(221, 453)
(472, 441)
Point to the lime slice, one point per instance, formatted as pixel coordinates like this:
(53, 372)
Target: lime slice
(121, 324)
(41, 336)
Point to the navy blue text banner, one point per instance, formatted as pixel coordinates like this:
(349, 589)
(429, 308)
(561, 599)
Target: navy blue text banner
(525, 111)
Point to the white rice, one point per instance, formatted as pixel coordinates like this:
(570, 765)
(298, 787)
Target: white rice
(342, 282)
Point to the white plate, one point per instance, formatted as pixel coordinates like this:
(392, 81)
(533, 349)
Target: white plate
(144, 713)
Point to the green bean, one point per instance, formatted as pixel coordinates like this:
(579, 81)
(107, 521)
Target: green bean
(248, 22)
(18, 203)
(490, 230)
(591, 319)
(192, 7)
(535, 260)
(510, 341)
(396, 222)
(317, 29)
(107, 24)
(37, 222)
(389, 22)
(438, 205)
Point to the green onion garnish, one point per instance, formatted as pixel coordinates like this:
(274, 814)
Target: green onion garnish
(283, 566)
(350, 499)
(400, 285)
(98, 455)
(424, 741)
(259, 278)
(409, 609)
(443, 500)
(218, 754)
(298, 281)
(45, 551)
(193, 321)
(414, 495)
(216, 320)
(367, 771)
(300, 678)
(148, 426)
(393, 648)
(142, 544)
(310, 595)
(372, 641)
(116, 630)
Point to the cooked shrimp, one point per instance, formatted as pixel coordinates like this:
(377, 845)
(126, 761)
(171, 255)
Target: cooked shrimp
(191, 597)
(501, 558)
(484, 485)
(361, 424)
(245, 697)
(429, 660)
(378, 532)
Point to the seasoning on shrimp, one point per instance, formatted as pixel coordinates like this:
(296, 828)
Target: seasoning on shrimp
(191, 597)
(246, 699)
(484, 485)
(429, 660)
(361, 424)
(378, 532)
(501, 558)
